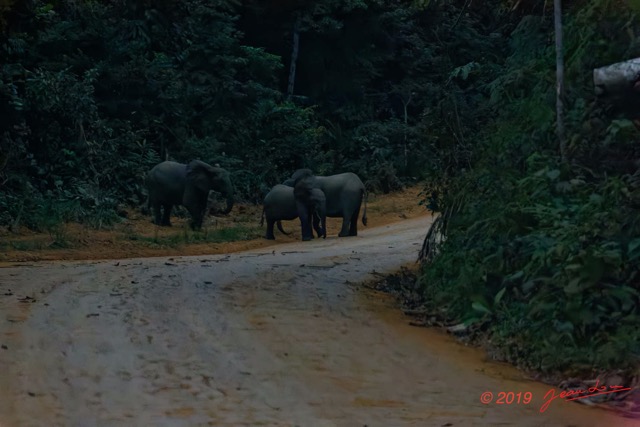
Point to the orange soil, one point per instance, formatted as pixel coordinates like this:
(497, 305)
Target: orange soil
(123, 240)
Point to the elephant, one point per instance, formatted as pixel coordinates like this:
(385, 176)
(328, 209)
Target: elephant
(344, 194)
(307, 196)
(280, 204)
(171, 183)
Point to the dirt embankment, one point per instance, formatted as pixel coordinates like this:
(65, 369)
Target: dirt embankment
(137, 237)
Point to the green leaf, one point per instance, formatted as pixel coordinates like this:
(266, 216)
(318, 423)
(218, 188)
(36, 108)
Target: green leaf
(528, 286)
(564, 326)
(622, 124)
(515, 276)
(480, 307)
(421, 4)
(573, 287)
(553, 174)
(595, 198)
(541, 172)
(471, 321)
(463, 71)
(594, 269)
(634, 244)
(499, 295)
(563, 187)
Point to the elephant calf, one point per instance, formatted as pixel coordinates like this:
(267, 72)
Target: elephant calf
(280, 204)
(170, 183)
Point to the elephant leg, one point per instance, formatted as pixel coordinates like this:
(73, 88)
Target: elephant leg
(305, 221)
(316, 225)
(197, 209)
(346, 220)
(196, 220)
(166, 215)
(270, 235)
(353, 227)
(157, 214)
(323, 226)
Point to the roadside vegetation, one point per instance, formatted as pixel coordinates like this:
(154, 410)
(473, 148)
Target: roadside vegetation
(542, 254)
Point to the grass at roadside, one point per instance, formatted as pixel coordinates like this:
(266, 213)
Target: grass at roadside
(136, 236)
(220, 235)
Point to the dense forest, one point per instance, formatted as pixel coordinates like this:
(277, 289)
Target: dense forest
(540, 251)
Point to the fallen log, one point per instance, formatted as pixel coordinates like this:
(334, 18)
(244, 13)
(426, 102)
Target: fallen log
(618, 80)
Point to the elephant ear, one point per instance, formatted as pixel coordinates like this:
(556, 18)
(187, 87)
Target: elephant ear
(297, 176)
(301, 174)
(198, 175)
(304, 188)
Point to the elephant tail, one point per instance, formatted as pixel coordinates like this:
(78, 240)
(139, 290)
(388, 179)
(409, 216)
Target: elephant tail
(145, 209)
(279, 223)
(365, 196)
(262, 218)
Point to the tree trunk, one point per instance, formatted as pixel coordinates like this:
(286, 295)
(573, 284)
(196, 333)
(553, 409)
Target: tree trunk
(557, 10)
(405, 104)
(294, 57)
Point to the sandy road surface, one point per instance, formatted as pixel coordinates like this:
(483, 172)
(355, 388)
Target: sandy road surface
(270, 337)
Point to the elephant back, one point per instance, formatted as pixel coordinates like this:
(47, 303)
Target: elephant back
(343, 192)
(165, 182)
(281, 198)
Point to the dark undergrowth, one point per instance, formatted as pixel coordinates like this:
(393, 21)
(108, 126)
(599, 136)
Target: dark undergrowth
(538, 254)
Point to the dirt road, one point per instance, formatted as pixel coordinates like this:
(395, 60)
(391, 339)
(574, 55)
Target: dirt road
(274, 337)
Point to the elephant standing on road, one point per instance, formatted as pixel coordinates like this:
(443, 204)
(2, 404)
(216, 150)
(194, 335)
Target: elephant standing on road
(306, 196)
(280, 204)
(171, 183)
(344, 194)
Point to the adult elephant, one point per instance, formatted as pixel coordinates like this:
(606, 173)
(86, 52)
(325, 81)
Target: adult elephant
(344, 194)
(171, 183)
(280, 204)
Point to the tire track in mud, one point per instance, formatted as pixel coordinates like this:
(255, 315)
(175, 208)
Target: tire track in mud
(269, 337)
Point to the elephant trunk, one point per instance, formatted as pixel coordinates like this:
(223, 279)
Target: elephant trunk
(279, 224)
(229, 205)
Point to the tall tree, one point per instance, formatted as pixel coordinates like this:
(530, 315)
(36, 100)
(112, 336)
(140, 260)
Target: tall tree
(294, 56)
(557, 12)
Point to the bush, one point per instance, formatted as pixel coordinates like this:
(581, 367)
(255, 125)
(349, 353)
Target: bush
(543, 253)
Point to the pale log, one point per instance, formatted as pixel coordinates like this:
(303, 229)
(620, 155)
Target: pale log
(616, 80)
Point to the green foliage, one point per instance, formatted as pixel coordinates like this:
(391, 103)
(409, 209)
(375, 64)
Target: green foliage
(545, 252)
(277, 138)
(93, 94)
(97, 93)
